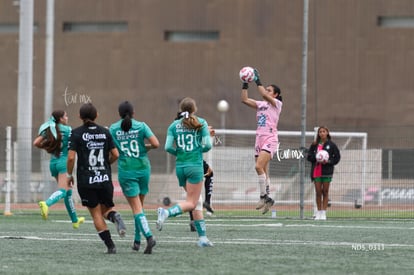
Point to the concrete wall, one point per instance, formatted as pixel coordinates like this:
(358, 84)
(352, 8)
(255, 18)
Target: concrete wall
(360, 74)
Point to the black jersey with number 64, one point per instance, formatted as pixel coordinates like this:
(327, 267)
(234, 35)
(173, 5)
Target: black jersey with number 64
(92, 144)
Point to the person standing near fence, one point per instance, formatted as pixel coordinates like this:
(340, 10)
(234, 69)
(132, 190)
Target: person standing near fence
(187, 139)
(134, 168)
(322, 171)
(95, 151)
(267, 141)
(53, 137)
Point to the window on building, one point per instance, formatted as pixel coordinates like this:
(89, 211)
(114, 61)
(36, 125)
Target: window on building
(14, 28)
(95, 27)
(191, 36)
(396, 21)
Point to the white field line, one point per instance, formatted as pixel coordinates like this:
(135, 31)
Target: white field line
(273, 223)
(167, 238)
(260, 242)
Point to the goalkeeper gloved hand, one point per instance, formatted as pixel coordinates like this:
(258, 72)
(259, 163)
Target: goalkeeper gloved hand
(257, 78)
(245, 86)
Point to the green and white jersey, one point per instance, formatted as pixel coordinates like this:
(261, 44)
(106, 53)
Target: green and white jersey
(189, 143)
(131, 145)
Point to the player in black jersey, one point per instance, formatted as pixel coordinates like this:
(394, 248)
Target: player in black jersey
(95, 151)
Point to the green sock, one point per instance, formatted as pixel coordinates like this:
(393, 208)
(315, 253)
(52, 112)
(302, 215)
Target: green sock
(70, 206)
(200, 225)
(174, 211)
(137, 237)
(141, 224)
(55, 197)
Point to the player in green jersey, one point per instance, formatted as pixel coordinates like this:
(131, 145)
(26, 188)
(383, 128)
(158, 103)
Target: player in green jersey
(187, 139)
(53, 137)
(134, 167)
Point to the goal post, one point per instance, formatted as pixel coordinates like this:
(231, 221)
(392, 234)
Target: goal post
(7, 203)
(232, 159)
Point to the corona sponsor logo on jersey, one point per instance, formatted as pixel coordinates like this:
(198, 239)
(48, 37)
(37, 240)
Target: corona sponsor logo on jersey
(88, 136)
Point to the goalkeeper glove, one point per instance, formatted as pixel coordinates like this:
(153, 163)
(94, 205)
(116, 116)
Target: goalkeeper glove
(257, 78)
(245, 86)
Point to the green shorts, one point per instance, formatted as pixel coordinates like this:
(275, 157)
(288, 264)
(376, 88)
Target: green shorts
(191, 174)
(134, 183)
(57, 166)
(323, 179)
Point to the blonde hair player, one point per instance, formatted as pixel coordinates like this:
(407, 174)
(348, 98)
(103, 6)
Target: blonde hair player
(187, 139)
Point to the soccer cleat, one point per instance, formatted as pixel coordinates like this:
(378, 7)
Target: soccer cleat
(136, 245)
(323, 215)
(120, 225)
(44, 209)
(75, 225)
(268, 204)
(150, 244)
(111, 250)
(261, 202)
(208, 207)
(317, 215)
(162, 216)
(192, 227)
(204, 242)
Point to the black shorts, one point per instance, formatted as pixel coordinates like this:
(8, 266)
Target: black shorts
(91, 197)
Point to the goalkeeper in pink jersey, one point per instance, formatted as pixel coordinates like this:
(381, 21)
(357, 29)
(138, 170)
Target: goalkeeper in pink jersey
(267, 142)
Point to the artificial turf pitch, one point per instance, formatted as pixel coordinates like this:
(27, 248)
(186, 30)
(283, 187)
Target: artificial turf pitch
(242, 245)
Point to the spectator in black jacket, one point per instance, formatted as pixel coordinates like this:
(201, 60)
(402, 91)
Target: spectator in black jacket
(322, 168)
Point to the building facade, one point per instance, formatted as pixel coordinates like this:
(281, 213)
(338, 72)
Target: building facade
(153, 53)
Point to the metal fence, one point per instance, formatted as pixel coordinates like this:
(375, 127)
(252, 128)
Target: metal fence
(368, 182)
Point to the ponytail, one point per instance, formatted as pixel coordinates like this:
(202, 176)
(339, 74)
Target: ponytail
(192, 122)
(126, 123)
(126, 110)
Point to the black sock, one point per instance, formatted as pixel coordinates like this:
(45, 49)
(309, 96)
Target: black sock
(191, 215)
(208, 187)
(111, 216)
(106, 237)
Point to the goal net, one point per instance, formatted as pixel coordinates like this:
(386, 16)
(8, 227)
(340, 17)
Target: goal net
(236, 184)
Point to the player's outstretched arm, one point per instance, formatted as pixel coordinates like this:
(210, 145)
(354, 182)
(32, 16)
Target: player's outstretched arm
(266, 96)
(245, 96)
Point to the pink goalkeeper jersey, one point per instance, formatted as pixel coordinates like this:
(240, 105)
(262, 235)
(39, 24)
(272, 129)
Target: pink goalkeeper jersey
(267, 117)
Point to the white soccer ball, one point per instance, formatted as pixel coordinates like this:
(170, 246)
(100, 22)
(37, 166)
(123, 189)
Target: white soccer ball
(322, 156)
(246, 74)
